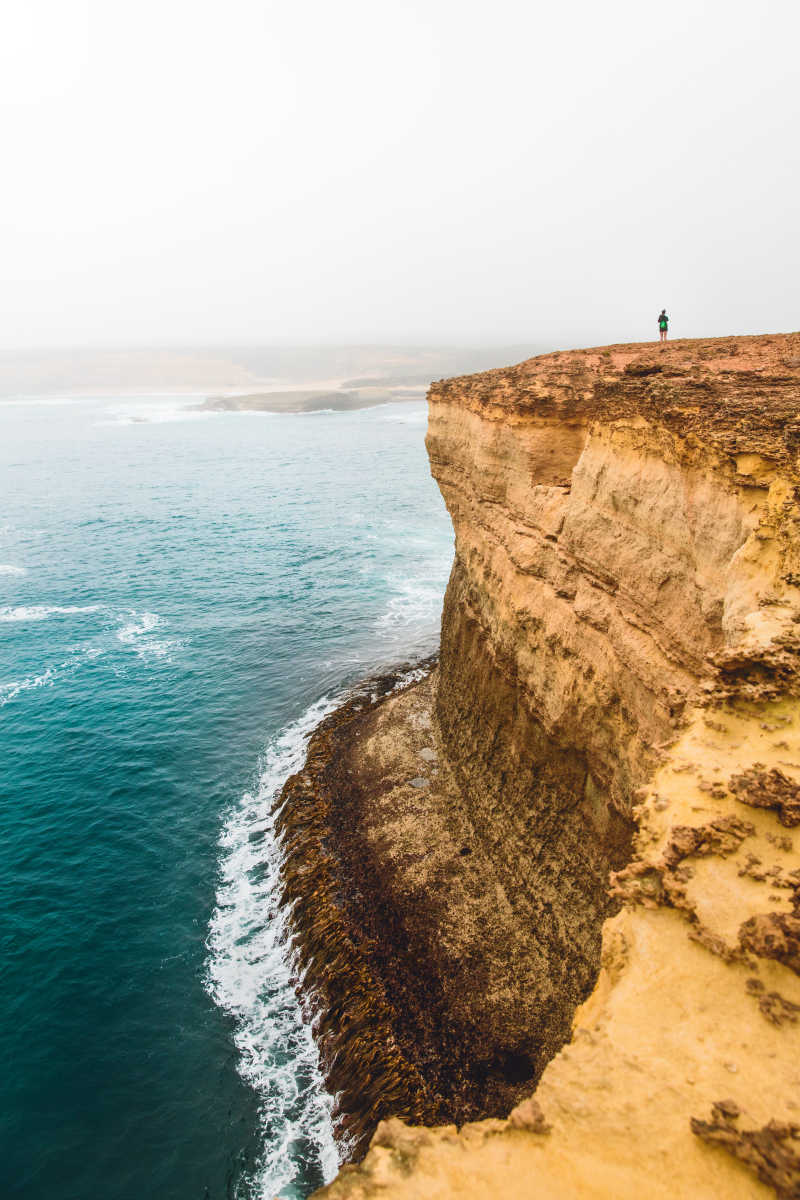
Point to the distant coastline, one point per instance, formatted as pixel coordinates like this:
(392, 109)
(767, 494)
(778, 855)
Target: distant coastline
(311, 400)
(244, 375)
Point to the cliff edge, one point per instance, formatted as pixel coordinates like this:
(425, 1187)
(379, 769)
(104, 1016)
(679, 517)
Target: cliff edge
(558, 875)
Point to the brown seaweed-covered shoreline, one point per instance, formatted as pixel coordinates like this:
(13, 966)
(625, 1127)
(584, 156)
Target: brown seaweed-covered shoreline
(324, 877)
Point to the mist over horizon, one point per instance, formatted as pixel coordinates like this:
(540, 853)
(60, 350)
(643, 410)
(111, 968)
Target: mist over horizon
(437, 174)
(230, 369)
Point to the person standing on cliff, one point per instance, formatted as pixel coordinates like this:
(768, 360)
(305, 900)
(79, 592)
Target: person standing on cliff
(663, 323)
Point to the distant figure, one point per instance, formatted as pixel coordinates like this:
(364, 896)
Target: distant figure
(663, 322)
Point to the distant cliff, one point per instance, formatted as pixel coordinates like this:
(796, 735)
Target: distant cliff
(563, 862)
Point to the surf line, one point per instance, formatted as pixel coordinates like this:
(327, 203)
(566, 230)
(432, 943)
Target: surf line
(251, 976)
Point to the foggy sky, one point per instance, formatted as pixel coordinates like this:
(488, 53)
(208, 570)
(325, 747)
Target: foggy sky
(179, 171)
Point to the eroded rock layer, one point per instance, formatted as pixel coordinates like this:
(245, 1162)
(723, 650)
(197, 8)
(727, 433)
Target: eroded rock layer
(619, 655)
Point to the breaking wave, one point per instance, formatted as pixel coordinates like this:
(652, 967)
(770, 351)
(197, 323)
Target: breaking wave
(41, 612)
(249, 975)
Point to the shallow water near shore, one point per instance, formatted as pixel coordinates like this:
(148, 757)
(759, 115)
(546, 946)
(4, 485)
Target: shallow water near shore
(182, 597)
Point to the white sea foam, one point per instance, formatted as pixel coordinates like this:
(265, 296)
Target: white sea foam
(137, 625)
(9, 569)
(42, 612)
(414, 416)
(8, 691)
(415, 605)
(46, 678)
(136, 631)
(141, 631)
(249, 975)
(156, 412)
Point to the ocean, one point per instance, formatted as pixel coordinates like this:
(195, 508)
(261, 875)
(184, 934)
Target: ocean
(183, 595)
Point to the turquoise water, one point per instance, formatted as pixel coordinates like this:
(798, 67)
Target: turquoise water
(181, 597)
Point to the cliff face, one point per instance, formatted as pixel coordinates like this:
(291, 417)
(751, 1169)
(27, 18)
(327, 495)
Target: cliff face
(615, 529)
(613, 728)
(602, 559)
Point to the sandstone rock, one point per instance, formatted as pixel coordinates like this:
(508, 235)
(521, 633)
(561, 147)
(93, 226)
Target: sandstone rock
(529, 1115)
(620, 636)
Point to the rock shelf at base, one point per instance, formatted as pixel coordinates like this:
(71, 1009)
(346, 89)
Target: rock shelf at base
(435, 1002)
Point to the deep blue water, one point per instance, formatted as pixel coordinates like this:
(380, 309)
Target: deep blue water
(180, 597)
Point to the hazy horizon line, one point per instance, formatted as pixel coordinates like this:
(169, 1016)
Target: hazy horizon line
(396, 343)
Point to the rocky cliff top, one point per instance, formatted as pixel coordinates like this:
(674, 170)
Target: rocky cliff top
(742, 393)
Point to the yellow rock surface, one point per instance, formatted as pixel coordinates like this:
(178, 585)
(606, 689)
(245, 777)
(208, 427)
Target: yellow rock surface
(625, 598)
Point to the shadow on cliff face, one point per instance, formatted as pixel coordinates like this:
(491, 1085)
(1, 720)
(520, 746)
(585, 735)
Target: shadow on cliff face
(548, 832)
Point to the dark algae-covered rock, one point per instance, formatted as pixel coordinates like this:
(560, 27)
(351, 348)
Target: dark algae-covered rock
(354, 1016)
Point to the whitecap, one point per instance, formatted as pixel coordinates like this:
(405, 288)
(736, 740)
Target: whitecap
(47, 678)
(8, 691)
(9, 569)
(137, 625)
(42, 612)
(136, 631)
(250, 975)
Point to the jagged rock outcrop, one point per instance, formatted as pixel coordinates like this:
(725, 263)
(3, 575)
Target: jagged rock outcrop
(614, 727)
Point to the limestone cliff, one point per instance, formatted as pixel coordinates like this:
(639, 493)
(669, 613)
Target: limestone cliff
(577, 828)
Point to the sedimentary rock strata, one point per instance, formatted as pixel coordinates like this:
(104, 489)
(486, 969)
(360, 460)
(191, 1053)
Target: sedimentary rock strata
(588, 886)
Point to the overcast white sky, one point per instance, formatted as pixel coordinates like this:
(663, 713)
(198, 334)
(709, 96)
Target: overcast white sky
(182, 171)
